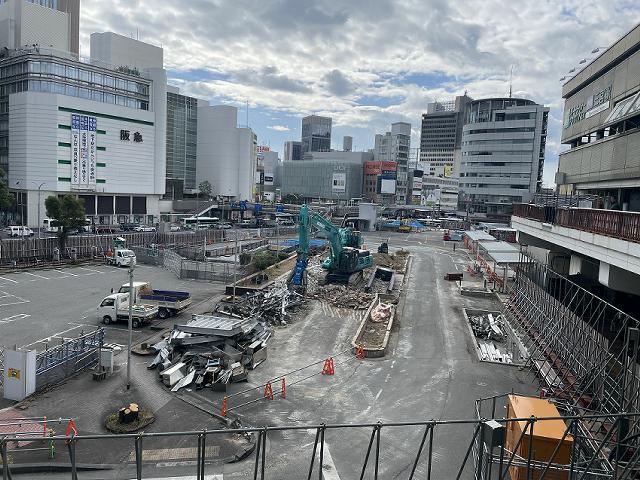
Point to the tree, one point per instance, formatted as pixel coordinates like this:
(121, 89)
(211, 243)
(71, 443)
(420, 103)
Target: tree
(68, 212)
(205, 189)
(5, 198)
(291, 199)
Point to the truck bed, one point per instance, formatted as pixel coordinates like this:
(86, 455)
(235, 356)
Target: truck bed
(166, 296)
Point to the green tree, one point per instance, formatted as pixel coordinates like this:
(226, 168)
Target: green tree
(68, 212)
(291, 199)
(5, 197)
(205, 189)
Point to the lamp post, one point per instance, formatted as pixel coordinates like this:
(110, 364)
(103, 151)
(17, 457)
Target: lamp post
(130, 325)
(39, 222)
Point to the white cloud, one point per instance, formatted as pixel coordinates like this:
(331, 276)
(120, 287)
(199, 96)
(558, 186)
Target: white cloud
(367, 63)
(279, 128)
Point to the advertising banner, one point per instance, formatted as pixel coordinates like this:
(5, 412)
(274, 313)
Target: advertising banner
(339, 184)
(83, 151)
(387, 185)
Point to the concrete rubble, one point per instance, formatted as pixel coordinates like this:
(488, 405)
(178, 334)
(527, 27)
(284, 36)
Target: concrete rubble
(488, 326)
(273, 307)
(342, 296)
(211, 351)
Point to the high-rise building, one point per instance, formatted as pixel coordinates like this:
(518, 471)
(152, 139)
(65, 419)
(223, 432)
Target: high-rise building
(52, 24)
(347, 143)
(503, 148)
(94, 129)
(292, 151)
(441, 133)
(182, 140)
(316, 134)
(394, 146)
(226, 153)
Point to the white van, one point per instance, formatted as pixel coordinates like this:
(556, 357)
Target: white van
(18, 231)
(50, 225)
(124, 258)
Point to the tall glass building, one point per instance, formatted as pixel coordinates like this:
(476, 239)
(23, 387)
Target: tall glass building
(182, 140)
(316, 134)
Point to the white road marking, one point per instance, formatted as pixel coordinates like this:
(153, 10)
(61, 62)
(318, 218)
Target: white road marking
(329, 471)
(186, 464)
(8, 296)
(36, 275)
(93, 272)
(48, 339)
(378, 394)
(68, 274)
(14, 318)
(8, 280)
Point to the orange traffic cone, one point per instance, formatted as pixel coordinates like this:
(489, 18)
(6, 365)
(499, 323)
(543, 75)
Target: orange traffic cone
(223, 410)
(283, 391)
(268, 391)
(328, 367)
(359, 352)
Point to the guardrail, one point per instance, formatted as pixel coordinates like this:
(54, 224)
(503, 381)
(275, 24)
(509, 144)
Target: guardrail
(611, 223)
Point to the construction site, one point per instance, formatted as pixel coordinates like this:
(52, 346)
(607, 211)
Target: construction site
(356, 355)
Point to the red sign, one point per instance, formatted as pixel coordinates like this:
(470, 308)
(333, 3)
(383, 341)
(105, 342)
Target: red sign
(376, 168)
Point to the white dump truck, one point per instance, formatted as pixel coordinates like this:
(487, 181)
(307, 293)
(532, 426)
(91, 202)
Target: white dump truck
(120, 256)
(115, 307)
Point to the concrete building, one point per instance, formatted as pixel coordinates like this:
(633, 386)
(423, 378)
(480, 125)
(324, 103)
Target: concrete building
(292, 151)
(347, 143)
(182, 140)
(74, 127)
(52, 24)
(226, 153)
(601, 118)
(440, 192)
(379, 182)
(503, 148)
(394, 146)
(596, 247)
(270, 161)
(316, 134)
(329, 176)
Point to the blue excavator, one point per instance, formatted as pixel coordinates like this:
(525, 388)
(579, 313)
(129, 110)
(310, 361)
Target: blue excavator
(345, 258)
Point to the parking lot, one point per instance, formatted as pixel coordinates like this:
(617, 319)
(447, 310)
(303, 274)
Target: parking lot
(40, 307)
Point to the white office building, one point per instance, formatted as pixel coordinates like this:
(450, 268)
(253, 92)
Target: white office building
(226, 153)
(94, 128)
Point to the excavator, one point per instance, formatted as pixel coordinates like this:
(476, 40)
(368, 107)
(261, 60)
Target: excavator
(345, 258)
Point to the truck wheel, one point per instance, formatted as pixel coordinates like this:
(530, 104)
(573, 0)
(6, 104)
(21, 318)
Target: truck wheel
(135, 323)
(163, 313)
(106, 319)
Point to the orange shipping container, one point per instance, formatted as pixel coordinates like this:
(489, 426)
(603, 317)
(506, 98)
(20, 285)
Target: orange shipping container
(546, 436)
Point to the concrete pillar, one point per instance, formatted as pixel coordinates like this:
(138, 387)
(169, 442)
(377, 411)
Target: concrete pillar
(618, 279)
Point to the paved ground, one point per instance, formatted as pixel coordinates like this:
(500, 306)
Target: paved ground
(430, 372)
(44, 306)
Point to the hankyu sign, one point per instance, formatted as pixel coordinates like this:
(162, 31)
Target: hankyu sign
(125, 136)
(377, 168)
(83, 151)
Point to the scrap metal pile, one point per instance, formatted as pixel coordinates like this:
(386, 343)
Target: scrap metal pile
(488, 327)
(211, 351)
(273, 307)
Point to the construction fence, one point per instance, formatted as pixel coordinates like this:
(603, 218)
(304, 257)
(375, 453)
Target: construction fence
(31, 251)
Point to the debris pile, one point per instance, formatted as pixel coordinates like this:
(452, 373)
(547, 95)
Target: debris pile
(488, 327)
(396, 261)
(342, 296)
(273, 307)
(381, 312)
(210, 351)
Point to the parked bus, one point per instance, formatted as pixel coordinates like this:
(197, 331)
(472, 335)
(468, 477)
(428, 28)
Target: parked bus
(200, 222)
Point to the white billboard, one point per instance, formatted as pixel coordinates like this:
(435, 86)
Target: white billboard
(339, 184)
(387, 185)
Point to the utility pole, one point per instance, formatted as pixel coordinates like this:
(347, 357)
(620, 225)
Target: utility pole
(39, 222)
(130, 326)
(277, 242)
(235, 266)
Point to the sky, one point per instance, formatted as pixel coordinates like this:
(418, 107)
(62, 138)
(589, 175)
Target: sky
(365, 63)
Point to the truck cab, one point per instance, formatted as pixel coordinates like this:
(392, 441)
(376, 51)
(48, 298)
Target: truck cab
(115, 307)
(124, 258)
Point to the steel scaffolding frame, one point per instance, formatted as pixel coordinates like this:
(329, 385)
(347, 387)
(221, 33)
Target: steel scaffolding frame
(583, 349)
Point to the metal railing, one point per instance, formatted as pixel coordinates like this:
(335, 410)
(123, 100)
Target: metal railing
(612, 223)
(429, 449)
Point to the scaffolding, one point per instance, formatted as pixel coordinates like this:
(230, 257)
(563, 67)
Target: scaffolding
(583, 350)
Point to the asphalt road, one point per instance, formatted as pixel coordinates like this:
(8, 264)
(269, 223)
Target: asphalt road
(39, 307)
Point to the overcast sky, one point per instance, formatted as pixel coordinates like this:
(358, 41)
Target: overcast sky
(365, 63)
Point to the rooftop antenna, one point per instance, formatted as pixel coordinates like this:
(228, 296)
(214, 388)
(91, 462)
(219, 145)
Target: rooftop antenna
(511, 81)
(247, 113)
(137, 34)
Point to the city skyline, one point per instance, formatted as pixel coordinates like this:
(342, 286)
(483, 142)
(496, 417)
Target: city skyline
(344, 61)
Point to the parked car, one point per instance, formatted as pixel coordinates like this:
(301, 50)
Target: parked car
(246, 224)
(144, 228)
(222, 226)
(174, 228)
(104, 229)
(18, 231)
(128, 227)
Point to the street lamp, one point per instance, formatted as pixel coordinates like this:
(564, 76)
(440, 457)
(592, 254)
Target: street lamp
(130, 323)
(39, 222)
